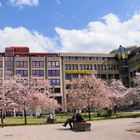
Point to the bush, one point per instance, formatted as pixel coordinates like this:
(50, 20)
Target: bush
(109, 113)
(106, 112)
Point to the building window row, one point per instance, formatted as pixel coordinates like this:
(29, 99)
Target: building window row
(91, 67)
(105, 67)
(55, 82)
(23, 73)
(71, 66)
(89, 58)
(71, 76)
(38, 72)
(53, 73)
(135, 62)
(37, 64)
(103, 76)
(53, 64)
(21, 64)
(55, 90)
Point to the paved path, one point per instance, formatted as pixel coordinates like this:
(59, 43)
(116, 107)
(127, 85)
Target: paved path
(101, 130)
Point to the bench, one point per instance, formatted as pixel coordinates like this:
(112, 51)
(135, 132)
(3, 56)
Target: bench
(82, 126)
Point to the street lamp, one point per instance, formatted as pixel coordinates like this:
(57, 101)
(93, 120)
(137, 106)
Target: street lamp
(53, 107)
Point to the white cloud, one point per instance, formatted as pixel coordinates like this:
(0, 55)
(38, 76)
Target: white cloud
(101, 37)
(21, 3)
(97, 37)
(22, 37)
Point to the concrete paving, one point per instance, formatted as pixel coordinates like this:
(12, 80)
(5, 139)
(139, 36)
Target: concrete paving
(100, 130)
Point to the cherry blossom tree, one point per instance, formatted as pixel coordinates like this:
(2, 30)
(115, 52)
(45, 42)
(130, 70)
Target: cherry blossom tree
(117, 93)
(40, 90)
(20, 95)
(132, 95)
(7, 97)
(14, 91)
(88, 92)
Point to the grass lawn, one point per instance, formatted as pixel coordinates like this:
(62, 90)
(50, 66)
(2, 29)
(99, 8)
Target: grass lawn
(14, 121)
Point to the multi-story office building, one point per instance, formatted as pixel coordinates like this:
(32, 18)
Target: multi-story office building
(59, 68)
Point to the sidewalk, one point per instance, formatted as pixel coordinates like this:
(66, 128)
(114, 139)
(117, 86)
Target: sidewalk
(100, 130)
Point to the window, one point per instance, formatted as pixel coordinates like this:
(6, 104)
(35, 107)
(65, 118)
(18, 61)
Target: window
(57, 90)
(54, 81)
(53, 73)
(73, 76)
(21, 64)
(67, 67)
(68, 76)
(110, 76)
(95, 67)
(116, 76)
(90, 67)
(74, 66)
(53, 64)
(0, 64)
(0, 82)
(37, 64)
(68, 86)
(23, 73)
(85, 67)
(38, 72)
(103, 76)
(0, 73)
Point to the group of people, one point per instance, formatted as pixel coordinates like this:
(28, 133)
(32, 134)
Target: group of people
(77, 117)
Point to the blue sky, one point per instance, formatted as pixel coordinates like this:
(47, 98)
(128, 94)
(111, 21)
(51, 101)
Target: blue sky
(69, 25)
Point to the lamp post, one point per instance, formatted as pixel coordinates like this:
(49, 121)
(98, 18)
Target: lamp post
(53, 108)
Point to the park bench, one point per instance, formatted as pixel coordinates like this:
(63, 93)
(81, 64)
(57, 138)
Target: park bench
(82, 126)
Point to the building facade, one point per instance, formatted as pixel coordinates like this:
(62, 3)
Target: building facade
(60, 68)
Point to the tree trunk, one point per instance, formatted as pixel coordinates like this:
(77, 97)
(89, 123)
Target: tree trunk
(14, 113)
(1, 115)
(25, 117)
(115, 109)
(89, 111)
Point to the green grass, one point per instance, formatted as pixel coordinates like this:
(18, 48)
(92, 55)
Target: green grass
(15, 121)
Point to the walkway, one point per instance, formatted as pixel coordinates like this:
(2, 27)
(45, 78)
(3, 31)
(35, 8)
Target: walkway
(101, 130)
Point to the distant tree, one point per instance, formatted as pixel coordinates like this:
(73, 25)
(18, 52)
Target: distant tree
(117, 93)
(88, 92)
